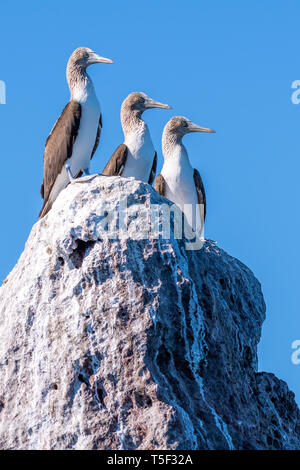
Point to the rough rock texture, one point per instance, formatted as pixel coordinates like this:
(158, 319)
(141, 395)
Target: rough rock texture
(133, 344)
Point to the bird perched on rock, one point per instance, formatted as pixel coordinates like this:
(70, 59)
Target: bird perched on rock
(179, 181)
(76, 134)
(136, 156)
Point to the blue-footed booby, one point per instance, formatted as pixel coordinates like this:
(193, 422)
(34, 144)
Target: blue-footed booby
(179, 181)
(136, 156)
(76, 134)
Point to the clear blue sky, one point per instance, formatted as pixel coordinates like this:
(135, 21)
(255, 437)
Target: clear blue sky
(226, 65)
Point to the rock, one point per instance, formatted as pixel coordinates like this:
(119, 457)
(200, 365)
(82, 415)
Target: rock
(130, 343)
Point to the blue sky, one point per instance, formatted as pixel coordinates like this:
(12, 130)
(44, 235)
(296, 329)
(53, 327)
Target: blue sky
(226, 65)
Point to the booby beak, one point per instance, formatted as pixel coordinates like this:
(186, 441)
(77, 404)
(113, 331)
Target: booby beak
(97, 59)
(195, 128)
(156, 104)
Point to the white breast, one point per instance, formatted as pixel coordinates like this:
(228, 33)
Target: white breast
(180, 187)
(86, 137)
(140, 154)
(89, 121)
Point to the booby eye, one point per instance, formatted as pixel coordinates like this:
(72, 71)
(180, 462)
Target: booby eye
(184, 124)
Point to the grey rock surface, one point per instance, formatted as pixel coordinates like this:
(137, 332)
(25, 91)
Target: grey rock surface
(132, 342)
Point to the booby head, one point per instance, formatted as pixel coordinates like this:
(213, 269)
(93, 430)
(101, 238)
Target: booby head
(180, 125)
(133, 107)
(78, 62)
(140, 102)
(83, 57)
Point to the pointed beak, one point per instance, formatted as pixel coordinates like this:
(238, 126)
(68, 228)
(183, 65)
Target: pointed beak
(195, 128)
(156, 104)
(97, 59)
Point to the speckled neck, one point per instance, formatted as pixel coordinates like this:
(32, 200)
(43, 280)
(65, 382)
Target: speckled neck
(131, 119)
(77, 78)
(171, 141)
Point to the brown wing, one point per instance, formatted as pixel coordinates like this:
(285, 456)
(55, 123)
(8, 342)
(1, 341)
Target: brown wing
(59, 146)
(97, 136)
(160, 185)
(153, 169)
(116, 163)
(200, 190)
